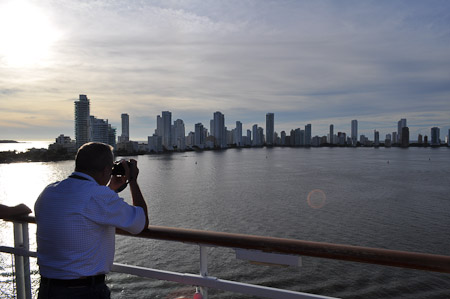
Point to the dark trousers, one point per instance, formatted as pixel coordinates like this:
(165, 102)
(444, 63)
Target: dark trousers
(48, 289)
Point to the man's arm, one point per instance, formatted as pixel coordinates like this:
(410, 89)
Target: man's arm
(20, 209)
(138, 199)
(136, 194)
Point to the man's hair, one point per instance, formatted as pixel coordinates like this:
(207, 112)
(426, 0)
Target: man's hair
(93, 157)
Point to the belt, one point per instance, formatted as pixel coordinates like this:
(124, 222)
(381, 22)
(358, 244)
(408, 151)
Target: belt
(79, 282)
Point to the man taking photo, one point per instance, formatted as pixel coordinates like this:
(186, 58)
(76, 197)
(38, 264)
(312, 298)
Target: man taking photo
(76, 222)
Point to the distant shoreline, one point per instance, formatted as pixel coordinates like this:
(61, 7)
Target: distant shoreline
(9, 141)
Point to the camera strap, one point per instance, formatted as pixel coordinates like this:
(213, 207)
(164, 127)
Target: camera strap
(78, 177)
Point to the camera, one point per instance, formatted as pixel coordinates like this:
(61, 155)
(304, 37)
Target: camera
(118, 168)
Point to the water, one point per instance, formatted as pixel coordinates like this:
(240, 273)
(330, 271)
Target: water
(23, 146)
(386, 198)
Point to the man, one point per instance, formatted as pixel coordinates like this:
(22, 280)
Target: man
(76, 221)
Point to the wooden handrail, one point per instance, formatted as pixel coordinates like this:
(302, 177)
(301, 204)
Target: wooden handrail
(396, 258)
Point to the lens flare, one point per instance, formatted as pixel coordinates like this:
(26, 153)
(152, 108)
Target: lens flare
(316, 199)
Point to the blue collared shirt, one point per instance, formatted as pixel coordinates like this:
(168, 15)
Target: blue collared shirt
(76, 221)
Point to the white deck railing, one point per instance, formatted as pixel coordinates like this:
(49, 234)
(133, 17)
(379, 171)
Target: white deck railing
(261, 249)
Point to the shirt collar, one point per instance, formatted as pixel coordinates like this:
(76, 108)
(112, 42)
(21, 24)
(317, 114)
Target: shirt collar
(82, 174)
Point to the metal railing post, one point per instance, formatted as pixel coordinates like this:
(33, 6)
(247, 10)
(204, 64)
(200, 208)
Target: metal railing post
(204, 269)
(22, 263)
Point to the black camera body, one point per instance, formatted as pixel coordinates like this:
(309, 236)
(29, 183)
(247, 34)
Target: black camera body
(118, 169)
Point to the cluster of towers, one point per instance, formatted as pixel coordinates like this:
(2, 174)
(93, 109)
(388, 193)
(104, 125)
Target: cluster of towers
(89, 128)
(170, 136)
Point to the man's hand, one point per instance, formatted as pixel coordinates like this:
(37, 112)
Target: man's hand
(20, 209)
(131, 172)
(118, 183)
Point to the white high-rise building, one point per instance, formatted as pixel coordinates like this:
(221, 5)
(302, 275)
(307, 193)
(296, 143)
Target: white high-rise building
(354, 132)
(82, 121)
(270, 128)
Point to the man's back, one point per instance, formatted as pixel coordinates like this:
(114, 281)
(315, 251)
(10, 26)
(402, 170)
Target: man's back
(76, 226)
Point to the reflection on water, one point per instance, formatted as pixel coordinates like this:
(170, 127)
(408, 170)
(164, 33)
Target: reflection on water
(23, 146)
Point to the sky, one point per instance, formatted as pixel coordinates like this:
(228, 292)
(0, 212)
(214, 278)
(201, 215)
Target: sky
(308, 62)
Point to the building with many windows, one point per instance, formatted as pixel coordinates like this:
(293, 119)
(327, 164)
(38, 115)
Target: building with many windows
(435, 136)
(400, 125)
(125, 136)
(82, 120)
(354, 132)
(270, 128)
(308, 135)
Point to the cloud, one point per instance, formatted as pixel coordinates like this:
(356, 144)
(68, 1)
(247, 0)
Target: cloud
(318, 62)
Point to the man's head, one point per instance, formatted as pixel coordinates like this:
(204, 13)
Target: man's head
(95, 159)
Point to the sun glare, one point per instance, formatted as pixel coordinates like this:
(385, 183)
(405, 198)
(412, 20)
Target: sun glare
(26, 34)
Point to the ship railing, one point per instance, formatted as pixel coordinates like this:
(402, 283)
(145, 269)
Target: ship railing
(264, 249)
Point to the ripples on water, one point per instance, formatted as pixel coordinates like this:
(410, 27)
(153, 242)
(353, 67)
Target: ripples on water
(362, 200)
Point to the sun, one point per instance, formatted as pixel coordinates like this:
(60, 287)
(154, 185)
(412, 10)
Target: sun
(26, 34)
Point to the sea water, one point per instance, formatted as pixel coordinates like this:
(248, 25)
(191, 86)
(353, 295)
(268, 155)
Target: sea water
(389, 198)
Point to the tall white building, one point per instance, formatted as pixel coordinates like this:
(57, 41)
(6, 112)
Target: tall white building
(82, 120)
(354, 132)
(270, 128)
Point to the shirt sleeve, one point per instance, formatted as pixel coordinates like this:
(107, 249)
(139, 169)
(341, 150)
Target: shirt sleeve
(107, 208)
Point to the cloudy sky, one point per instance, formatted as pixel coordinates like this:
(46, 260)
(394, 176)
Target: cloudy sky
(318, 62)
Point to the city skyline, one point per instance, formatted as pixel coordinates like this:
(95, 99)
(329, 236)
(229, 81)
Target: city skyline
(316, 63)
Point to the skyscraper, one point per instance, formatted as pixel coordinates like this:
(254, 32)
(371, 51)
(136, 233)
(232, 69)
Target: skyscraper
(199, 137)
(270, 128)
(220, 136)
(179, 138)
(354, 132)
(238, 134)
(400, 125)
(376, 138)
(435, 136)
(166, 129)
(98, 130)
(125, 128)
(255, 141)
(448, 138)
(405, 137)
(82, 121)
(330, 141)
(308, 135)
